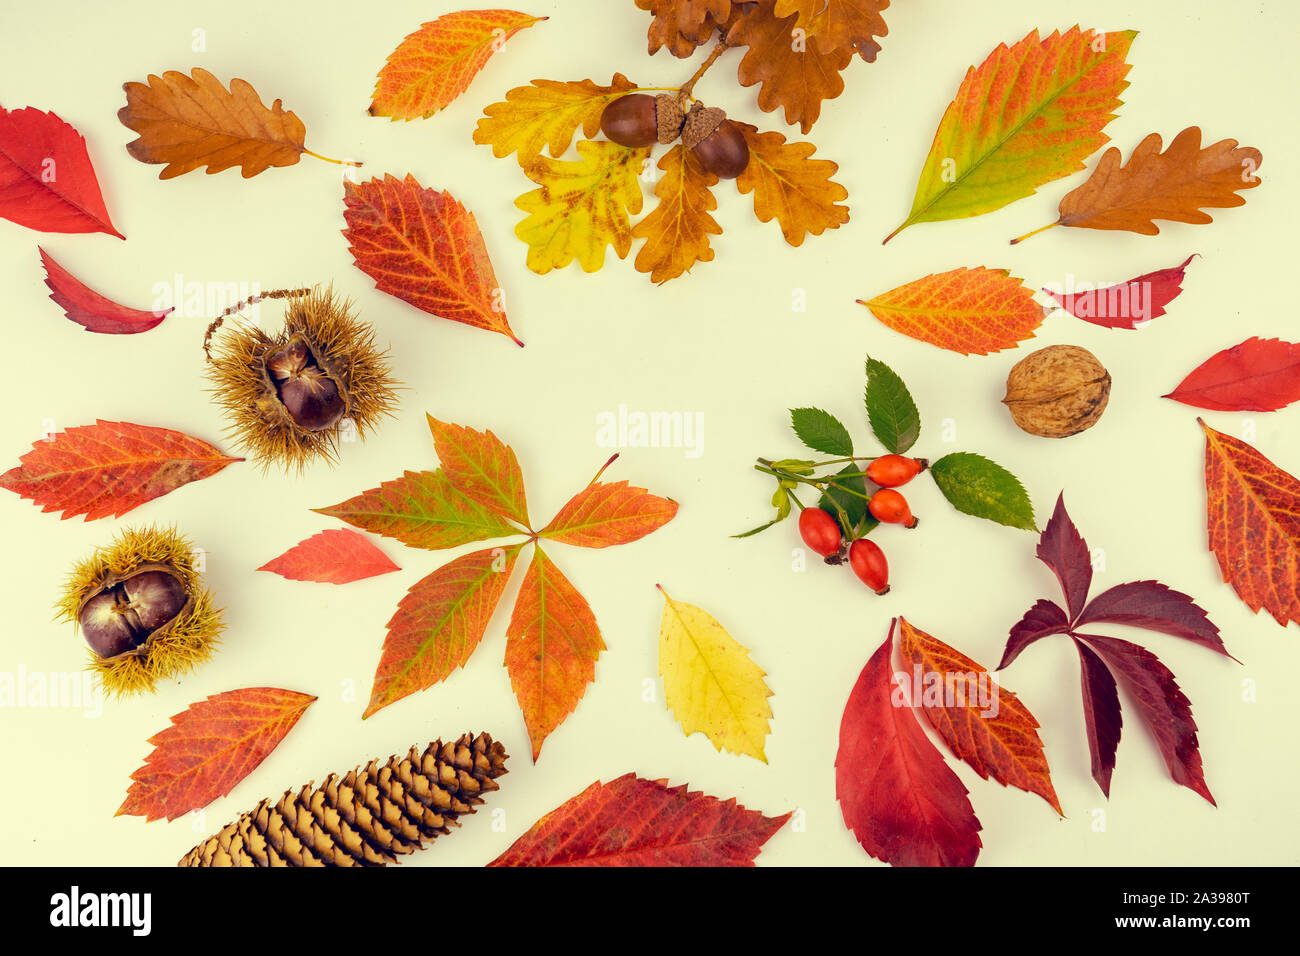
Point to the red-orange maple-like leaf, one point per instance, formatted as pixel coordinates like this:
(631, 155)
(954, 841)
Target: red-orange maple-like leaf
(209, 748)
(635, 822)
(605, 514)
(424, 247)
(89, 309)
(482, 467)
(331, 557)
(109, 468)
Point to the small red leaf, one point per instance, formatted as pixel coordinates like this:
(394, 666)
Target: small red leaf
(332, 557)
(1154, 606)
(1101, 714)
(1129, 305)
(88, 308)
(1259, 375)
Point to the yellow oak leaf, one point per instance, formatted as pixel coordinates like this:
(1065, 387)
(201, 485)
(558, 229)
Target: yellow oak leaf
(710, 684)
(790, 187)
(677, 230)
(583, 207)
(546, 114)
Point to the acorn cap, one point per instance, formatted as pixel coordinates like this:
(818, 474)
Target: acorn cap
(701, 121)
(669, 117)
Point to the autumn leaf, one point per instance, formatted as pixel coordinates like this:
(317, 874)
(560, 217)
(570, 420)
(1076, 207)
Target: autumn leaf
(972, 311)
(425, 248)
(1259, 375)
(89, 309)
(710, 683)
(608, 513)
(436, 63)
(47, 182)
(1101, 714)
(676, 232)
(546, 114)
(1029, 114)
(1174, 185)
(1129, 305)
(681, 26)
(552, 643)
(636, 822)
(482, 467)
(791, 187)
(1253, 516)
(984, 724)
(583, 207)
(897, 795)
(976, 486)
(838, 24)
(109, 468)
(209, 748)
(331, 557)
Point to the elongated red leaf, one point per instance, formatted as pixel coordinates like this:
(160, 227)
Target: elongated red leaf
(1061, 547)
(209, 748)
(1129, 305)
(1154, 606)
(1044, 619)
(636, 822)
(898, 797)
(482, 467)
(109, 468)
(1101, 714)
(46, 180)
(91, 310)
(331, 557)
(1259, 375)
(605, 514)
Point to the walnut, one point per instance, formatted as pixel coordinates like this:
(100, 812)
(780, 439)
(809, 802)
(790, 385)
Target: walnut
(1057, 391)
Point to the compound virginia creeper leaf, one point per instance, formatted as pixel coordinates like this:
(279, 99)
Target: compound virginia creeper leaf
(976, 486)
(1101, 713)
(89, 309)
(436, 63)
(482, 467)
(609, 513)
(1259, 375)
(546, 115)
(636, 822)
(710, 683)
(890, 409)
(791, 187)
(1027, 115)
(682, 26)
(676, 232)
(331, 557)
(821, 431)
(1129, 305)
(838, 24)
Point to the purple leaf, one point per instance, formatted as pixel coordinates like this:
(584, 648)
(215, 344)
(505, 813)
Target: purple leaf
(1063, 549)
(1041, 620)
(1151, 605)
(1101, 714)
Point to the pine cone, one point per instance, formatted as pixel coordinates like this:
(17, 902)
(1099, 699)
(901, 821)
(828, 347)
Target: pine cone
(368, 817)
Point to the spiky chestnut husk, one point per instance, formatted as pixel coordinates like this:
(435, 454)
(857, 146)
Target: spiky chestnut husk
(342, 358)
(173, 650)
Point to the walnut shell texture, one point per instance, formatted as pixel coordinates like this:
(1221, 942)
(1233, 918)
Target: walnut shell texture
(1057, 391)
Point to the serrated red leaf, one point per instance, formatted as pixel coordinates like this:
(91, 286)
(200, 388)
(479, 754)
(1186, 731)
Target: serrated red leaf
(1044, 619)
(1259, 375)
(91, 310)
(635, 822)
(1152, 605)
(110, 467)
(1101, 714)
(1061, 547)
(425, 248)
(1129, 305)
(209, 748)
(482, 467)
(47, 182)
(331, 557)
(898, 796)
(605, 514)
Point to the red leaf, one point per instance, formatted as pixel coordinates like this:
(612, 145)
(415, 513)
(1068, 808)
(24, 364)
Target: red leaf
(1154, 606)
(88, 308)
(46, 180)
(1128, 305)
(331, 557)
(1259, 375)
(1044, 619)
(636, 822)
(900, 799)
(209, 748)
(602, 515)
(1101, 714)
(1164, 708)
(482, 467)
(109, 468)
(1063, 549)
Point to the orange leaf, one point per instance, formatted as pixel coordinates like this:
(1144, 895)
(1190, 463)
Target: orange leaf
(331, 557)
(982, 723)
(546, 114)
(677, 230)
(1253, 516)
(425, 248)
(838, 24)
(209, 748)
(971, 311)
(605, 514)
(636, 822)
(482, 467)
(791, 187)
(439, 624)
(683, 25)
(552, 645)
(109, 468)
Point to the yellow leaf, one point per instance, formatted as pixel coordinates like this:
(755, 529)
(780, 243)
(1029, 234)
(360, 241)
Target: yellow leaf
(677, 230)
(791, 187)
(710, 683)
(546, 114)
(582, 207)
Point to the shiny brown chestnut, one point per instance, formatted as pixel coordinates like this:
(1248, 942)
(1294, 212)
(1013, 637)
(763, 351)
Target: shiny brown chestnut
(309, 395)
(125, 614)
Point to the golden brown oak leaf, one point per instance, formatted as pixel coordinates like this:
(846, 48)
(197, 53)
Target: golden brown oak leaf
(791, 187)
(682, 26)
(677, 230)
(193, 121)
(546, 115)
(840, 24)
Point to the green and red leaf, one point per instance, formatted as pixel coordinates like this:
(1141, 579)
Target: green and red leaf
(481, 467)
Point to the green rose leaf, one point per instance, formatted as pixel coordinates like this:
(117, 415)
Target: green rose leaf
(890, 409)
(821, 431)
(976, 486)
(854, 506)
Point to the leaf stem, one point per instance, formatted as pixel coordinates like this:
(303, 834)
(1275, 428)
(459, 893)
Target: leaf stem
(1035, 232)
(337, 162)
(688, 87)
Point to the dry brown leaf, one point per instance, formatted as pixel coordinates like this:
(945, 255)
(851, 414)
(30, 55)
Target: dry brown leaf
(790, 187)
(840, 24)
(677, 230)
(683, 25)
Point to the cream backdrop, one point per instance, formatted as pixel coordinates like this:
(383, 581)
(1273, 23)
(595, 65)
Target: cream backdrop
(726, 343)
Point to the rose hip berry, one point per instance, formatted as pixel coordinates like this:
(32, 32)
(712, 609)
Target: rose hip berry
(890, 506)
(893, 471)
(869, 564)
(820, 531)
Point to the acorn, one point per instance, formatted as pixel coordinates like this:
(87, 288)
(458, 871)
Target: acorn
(718, 143)
(638, 119)
(290, 397)
(142, 609)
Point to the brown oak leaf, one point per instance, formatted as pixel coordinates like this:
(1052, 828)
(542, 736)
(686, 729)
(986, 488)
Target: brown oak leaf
(840, 24)
(682, 26)
(677, 230)
(791, 187)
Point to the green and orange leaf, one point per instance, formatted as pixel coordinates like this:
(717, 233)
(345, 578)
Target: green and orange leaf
(676, 232)
(609, 513)
(546, 115)
(482, 467)
(792, 187)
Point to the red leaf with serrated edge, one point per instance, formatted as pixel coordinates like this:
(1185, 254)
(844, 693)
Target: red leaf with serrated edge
(425, 248)
(91, 310)
(1044, 619)
(636, 822)
(552, 645)
(439, 624)
(1063, 549)
(606, 514)
(897, 795)
(210, 748)
(482, 467)
(1164, 708)
(331, 557)
(1154, 606)
(1129, 305)
(46, 180)
(1101, 714)
(109, 468)
(1259, 375)
(983, 724)
(1253, 517)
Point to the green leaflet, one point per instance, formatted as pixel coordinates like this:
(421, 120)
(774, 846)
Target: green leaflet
(821, 431)
(890, 409)
(976, 486)
(854, 506)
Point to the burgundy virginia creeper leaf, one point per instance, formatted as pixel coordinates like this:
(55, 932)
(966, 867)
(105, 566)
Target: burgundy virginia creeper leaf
(1101, 714)
(1063, 549)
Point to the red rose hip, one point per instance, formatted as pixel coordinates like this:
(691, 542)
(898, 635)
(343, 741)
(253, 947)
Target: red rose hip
(869, 564)
(890, 506)
(820, 531)
(893, 471)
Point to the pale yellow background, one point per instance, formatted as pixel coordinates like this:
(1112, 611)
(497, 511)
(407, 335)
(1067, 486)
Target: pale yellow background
(724, 342)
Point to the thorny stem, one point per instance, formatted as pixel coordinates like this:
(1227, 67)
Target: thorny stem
(689, 86)
(252, 300)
